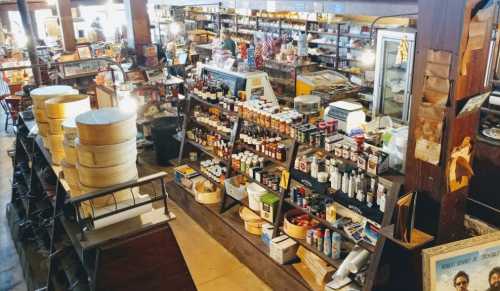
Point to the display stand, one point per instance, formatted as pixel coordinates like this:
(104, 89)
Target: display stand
(384, 219)
(49, 231)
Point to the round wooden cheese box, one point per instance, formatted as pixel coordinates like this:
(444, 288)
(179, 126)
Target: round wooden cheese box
(46, 143)
(56, 142)
(106, 155)
(106, 126)
(111, 199)
(70, 154)
(67, 106)
(55, 125)
(69, 129)
(107, 176)
(57, 157)
(70, 174)
(40, 115)
(39, 95)
(43, 129)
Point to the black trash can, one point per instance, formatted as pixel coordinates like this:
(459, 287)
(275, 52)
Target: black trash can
(166, 147)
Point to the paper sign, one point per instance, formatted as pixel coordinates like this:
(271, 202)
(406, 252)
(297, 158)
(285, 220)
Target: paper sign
(285, 177)
(439, 57)
(473, 104)
(437, 84)
(428, 133)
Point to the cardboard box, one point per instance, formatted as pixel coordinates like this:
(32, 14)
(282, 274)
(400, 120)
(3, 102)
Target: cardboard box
(267, 233)
(268, 205)
(282, 249)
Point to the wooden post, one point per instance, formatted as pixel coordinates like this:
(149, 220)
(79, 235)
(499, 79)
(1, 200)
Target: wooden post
(66, 23)
(30, 45)
(138, 28)
(453, 37)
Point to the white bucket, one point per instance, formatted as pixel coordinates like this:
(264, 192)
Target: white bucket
(254, 193)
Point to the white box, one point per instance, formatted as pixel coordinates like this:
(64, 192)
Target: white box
(283, 249)
(267, 233)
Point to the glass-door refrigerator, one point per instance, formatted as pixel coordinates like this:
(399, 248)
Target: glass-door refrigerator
(393, 74)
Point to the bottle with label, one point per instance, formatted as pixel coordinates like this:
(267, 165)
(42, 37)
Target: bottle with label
(370, 193)
(327, 243)
(382, 201)
(345, 182)
(331, 213)
(352, 185)
(333, 178)
(360, 188)
(314, 167)
(336, 245)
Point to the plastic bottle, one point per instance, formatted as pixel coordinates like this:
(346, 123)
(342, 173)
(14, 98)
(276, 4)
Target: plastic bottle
(327, 243)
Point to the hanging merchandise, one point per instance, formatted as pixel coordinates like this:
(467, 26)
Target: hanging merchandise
(402, 56)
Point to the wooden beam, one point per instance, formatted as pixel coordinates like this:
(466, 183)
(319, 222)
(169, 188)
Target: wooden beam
(138, 31)
(34, 26)
(66, 24)
(443, 26)
(30, 45)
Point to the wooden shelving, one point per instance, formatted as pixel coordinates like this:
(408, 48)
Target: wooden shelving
(327, 224)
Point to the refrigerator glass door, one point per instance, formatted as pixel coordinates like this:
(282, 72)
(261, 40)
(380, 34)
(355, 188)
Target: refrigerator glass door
(393, 75)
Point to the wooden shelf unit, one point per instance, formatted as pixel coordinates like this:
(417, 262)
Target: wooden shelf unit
(284, 202)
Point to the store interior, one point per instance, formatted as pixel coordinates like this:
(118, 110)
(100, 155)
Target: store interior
(250, 145)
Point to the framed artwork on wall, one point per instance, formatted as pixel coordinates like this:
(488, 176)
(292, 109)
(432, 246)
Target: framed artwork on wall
(470, 264)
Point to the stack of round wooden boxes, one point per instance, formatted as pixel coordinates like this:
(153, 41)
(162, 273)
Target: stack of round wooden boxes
(106, 152)
(58, 110)
(39, 96)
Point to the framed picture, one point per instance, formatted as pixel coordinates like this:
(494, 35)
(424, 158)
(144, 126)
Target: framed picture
(470, 264)
(84, 52)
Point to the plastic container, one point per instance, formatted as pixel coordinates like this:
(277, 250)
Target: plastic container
(254, 193)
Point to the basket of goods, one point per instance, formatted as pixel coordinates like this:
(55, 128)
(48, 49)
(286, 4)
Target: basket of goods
(206, 192)
(296, 224)
(253, 222)
(236, 186)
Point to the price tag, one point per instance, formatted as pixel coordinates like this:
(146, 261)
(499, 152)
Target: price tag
(285, 177)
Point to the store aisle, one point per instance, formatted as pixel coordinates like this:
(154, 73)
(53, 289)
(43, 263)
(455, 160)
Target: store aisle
(211, 265)
(11, 274)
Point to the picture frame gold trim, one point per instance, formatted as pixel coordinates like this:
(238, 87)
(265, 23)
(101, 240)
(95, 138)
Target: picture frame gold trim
(432, 255)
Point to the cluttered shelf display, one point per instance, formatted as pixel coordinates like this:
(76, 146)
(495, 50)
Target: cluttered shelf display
(329, 191)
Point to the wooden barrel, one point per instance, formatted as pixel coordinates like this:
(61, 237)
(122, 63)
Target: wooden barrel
(70, 174)
(55, 125)
(106, 155)
(67, 106)
(70, 154)
(40, 95)
(106, 126)
(43, 129)
(69, 129)
(107, 176)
